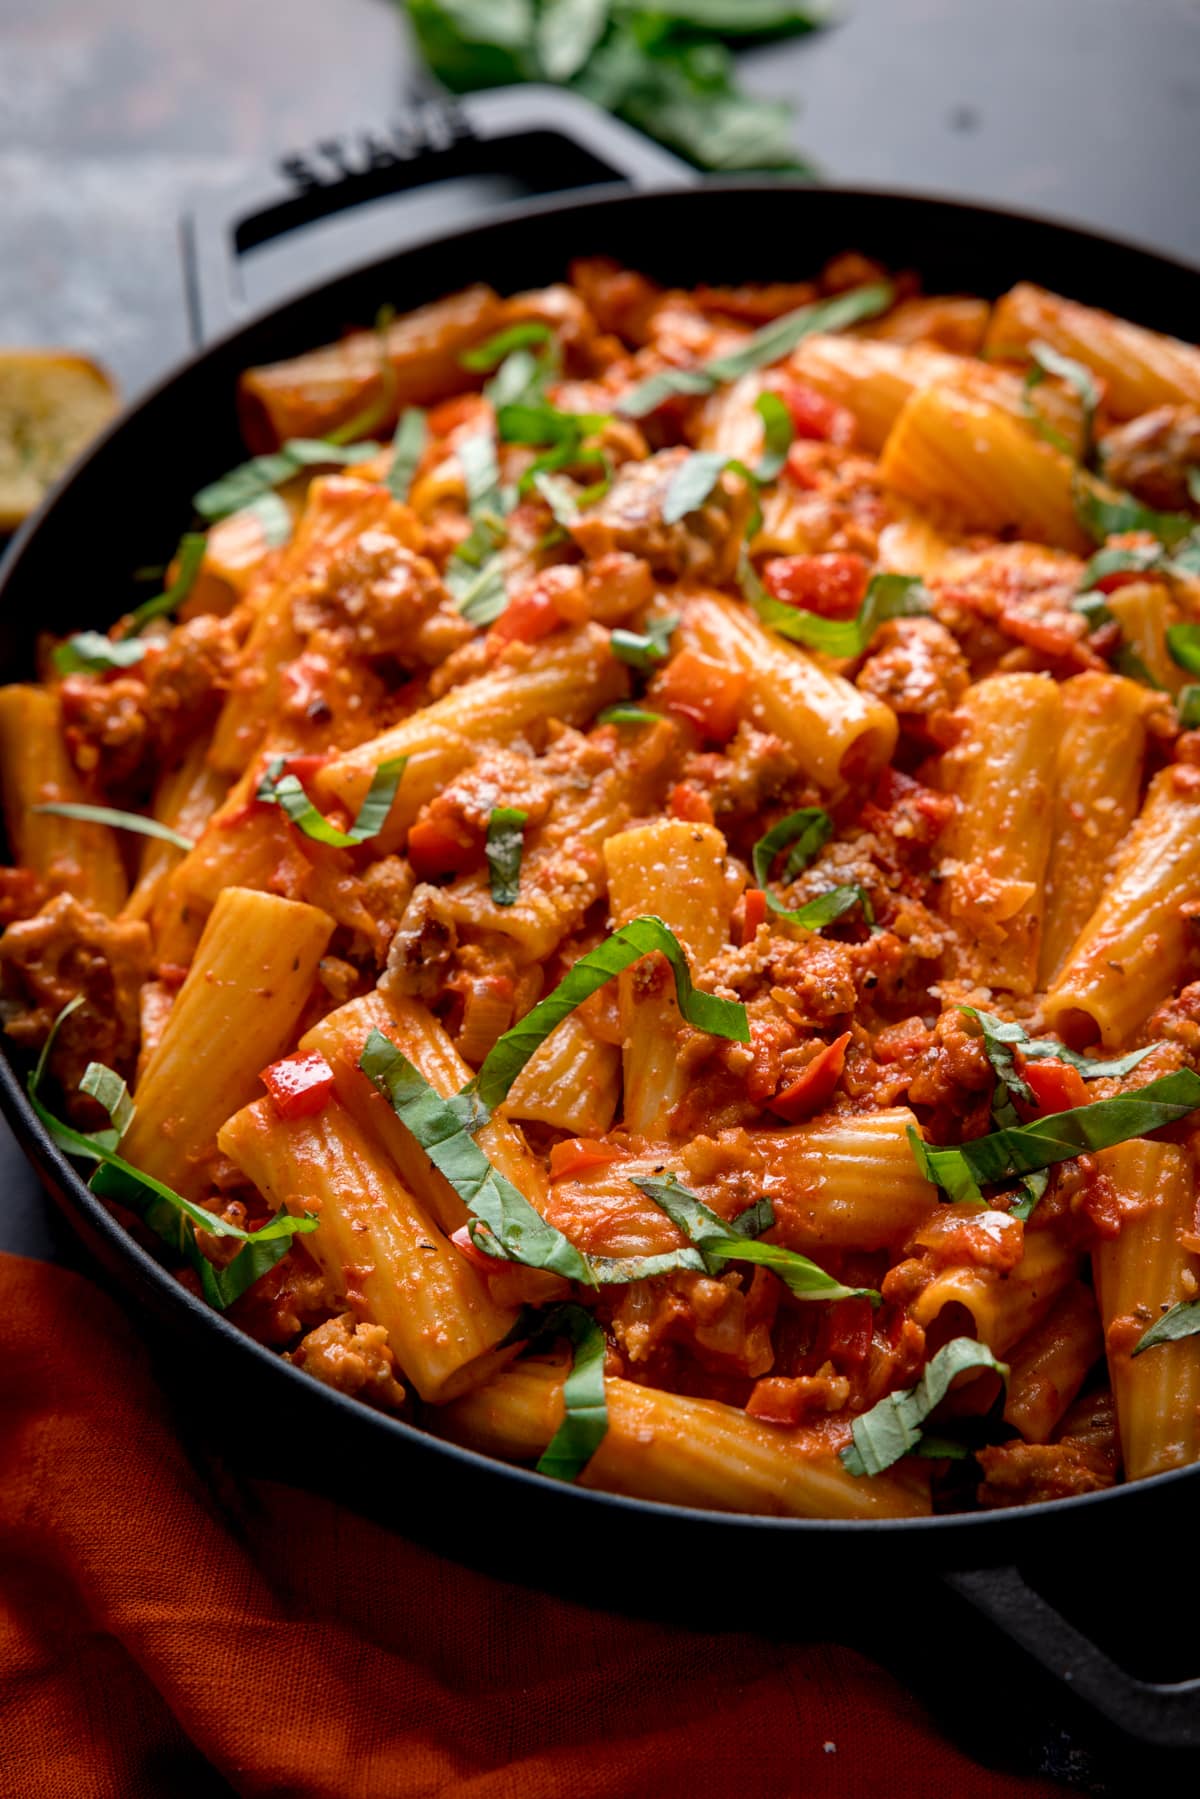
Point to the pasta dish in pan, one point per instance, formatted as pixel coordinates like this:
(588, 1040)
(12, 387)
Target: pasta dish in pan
(632, 897)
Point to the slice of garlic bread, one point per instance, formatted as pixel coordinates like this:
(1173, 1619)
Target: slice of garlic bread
(51, 403)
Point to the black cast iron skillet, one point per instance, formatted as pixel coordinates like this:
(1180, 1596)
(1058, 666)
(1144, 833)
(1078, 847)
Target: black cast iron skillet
(126, 503)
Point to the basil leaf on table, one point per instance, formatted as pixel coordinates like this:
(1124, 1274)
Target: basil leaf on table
(92, 653)
(892, 1428)
(408, 446)
(585, 1409)
(887, 596)
(189, 556)
(443, 1128)
(769, 345)
(504, 849)
(806, 832)
(1183, 1320)
(119, 821)
(286, 792)
(1021, 1149)
(644, 650)
(720, 1241)
(247, 482)
(642, 936)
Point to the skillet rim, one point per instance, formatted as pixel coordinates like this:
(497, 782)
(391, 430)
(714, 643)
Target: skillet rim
(186, 1312)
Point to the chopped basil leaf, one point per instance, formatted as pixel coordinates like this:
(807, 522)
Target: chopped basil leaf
(559, 494)
(720, 1241)
(1193, 484)
(887, 596)
(771, 344)
(541, 422)
(1188, 702)
(408, 446)
(1105, 514)
(505, 846)
(1127, 662)
(442, 1128)
(692, 483)
(1001, 1037)
(1141, 559)
(484, 596)
(120, 821)
(481, 472)
(1183, 1320)
(1049, 361)
(778, 432)
(1021, 1149)
(627, 715)
(1183, 642)
(285, 791)
(108, 1089)
(484, 357)
(1031, 1190)
(815, 914)
(92, 653)
(806, 832)
(645, 649)
(376, 411)
(189, 556)
(246, 483)
(585, 1409)
(892, 1428)
(274, 519)
(641, 937)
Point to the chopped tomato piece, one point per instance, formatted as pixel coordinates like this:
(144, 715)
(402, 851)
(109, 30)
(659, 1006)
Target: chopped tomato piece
(479, 1259)
(754, 913)
(705, 692)
(689, 804)
(1120, 577)
(1056, 1086)
(530, 616)
(832, 584)
(576, 1155)
(816, 1085)
(441, 846)
(845, 1334)
(304, 767)
(814, 416)
(299, 1085)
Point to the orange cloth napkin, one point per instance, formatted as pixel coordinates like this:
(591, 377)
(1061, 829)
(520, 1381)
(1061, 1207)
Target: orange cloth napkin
(156, 1625)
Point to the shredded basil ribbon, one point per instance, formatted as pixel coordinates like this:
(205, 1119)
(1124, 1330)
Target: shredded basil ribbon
(92, 653)
(1049, 361)
(1183, 645)
(442, 1127)
(504, 849)
(887, 596)
(641, 937)
(247, 482)
(1104, 513)
(695, 478)
(168, 1214)
(120, 821)
(892, 1428)
(771, 344)
(375, 411)
(585, 1409)
(482, 358)
(1001, 1037)
(274, 519)
(1187, 700)
(408, 446)
(1183, 1320)
(627, 715)
(815, 914)
(1021, 1149)
(718, 1241)
(807, 831)
(189, 556)
(484, 596)
(285, 791)
(645, 649)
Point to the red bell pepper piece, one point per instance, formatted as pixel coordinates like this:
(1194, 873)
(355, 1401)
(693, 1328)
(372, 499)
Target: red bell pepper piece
(479, 1259)
(813, 416)
(576, 1155)
(754, 913)
(706, 692)
(1056, 1086)
(299, 1085)
(440, 846)
(816, 1085)
(689, 804)
(833, 584)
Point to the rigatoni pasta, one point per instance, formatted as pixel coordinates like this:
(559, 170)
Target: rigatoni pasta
(635, 901)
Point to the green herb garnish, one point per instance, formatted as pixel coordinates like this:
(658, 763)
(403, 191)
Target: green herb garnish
(644, 650)
(286, 792)
(805, 832)
(189, 555)
(408, 446)
(1183, 1320)
(585, 1409)
(119, 821)
(250, 480)
(887, 596)
(505, 847)
(892, 1428)
(92, 653)
(1049, 361)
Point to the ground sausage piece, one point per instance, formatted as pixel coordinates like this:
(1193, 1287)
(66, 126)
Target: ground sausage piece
(390, 599)
(916, 668)
(353, 1358)
(1020, 1473)
(1152, 455)
(704, 544)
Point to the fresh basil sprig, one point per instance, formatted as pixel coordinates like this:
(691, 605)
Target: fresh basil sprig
(644, 650)
(250, 480)
(92, 653)
(887, 596)
(771, 344)
(408, 446)
(1021, 1149)
(504, 849)
(892, 1428)
(286, 792)
(641, 937)
(585, 1409)
(1183, 1320)
(806, 833)
(512, 1228)
(720, 1241)
(119, 821)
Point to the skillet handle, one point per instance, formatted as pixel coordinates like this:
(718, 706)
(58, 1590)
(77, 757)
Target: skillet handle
(514, 142)
(1158, 1714)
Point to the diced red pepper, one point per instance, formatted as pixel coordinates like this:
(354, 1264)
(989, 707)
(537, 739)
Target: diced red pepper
(299, 1085)
(479, 1259)
(816, 1085)
(1120, 577)
(703, 691)
(754, 912)
(441, 846)
(845, 1334)
(576, 1155)
(1056, 1086)
(813, 416)
(833, 584)
(530, 616)
(689, 804)
(304, 767)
